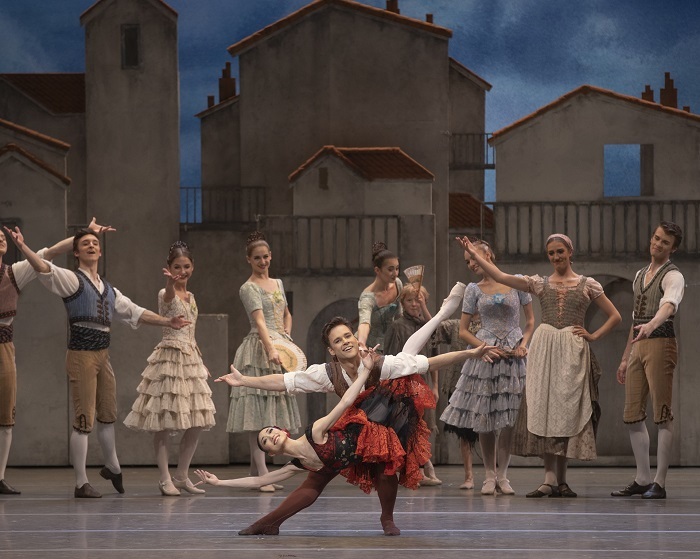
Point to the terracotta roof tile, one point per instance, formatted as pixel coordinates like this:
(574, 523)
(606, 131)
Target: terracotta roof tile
(273, 28)
(36, 160)
(587, 90)
(96, 4)
(378, 163)
(34, 134)
(58, 93)
(466, 212)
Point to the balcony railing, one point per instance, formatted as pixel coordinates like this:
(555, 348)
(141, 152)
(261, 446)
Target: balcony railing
(598, 229)
(327, 244)
(471, 152)
(221, 205)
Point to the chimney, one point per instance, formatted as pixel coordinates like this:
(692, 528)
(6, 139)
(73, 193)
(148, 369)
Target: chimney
(393, 6)
(686, 108)
(227, 84)
(429, 18)
(210, 101)
(668, 96)
(648, 93)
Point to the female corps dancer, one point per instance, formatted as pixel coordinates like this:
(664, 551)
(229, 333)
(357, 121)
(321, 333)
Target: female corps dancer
(379, 302)
(559, 411)
(266, 305)
(487, 396)
(347, 440)
(174, 395)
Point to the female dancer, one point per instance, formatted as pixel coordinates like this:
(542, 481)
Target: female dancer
(415, 314)
(345, 440)
(487, 396)
(379, 302)
(559, 411)
(174, 395)
(266, 305)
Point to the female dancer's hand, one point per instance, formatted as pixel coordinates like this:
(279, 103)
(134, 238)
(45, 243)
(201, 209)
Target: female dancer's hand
(234, 378)
(206, 477)
(486, 352)
(581, 332)
(172, 278)
(520, 351)
(466, 244)
(274, 357)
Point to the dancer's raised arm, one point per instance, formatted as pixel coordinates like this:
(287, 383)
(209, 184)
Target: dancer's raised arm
(516, 282)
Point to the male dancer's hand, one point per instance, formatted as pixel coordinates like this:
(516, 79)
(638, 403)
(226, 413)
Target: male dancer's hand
(97, 229)
(622, 372)
(16, 236)
(234, 378)
(177, 322)
(369, 356)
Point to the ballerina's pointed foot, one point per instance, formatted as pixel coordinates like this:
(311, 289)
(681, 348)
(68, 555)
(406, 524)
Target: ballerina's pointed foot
(454, 299)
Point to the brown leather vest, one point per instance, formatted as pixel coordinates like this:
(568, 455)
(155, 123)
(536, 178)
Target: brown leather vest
(335, 374)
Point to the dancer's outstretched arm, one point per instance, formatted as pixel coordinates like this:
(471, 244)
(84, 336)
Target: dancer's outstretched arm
(485, 352)
(273, 382)
(276, 476)
(516, 282)
(32, 257)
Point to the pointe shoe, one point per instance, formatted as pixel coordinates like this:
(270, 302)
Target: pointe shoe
(429, 481)
(468, 484)
(267, 489)
(188, 486)
(168, 489)
(277, 486)
(488, 487)
(454, 299)
(503, 486)
(116, 479)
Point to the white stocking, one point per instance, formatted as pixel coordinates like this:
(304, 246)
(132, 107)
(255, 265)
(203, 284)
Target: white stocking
(5, 443)
(421, 336)
(78, 456)
(160, 445)
(639, 437)
(663, 452)
(188, 446)
(105, 435)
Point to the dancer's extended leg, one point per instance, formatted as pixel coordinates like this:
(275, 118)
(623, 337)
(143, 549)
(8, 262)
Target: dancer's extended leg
(387, 488)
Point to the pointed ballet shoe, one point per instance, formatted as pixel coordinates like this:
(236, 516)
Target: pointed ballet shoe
(7, 489)
(503, 486)
(257, 530)
(168, 489)
(277, 486)
(453, 300)
(468, 484)
(390, 529)
(86, 491)
(430, 481)
(188, 486)
(266, 489)
(488, 487)
(116, 479)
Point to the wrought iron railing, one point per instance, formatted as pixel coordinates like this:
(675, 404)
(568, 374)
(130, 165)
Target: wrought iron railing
(239, 204)
(327, 244)
(471, 152)
(598, 229)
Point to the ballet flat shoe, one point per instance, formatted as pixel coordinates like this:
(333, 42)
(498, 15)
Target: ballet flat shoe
(168, 489)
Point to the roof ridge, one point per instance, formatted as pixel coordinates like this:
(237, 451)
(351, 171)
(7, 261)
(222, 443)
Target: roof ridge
(36, 160)
(34, 134)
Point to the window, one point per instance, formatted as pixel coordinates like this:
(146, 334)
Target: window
(628, 170)
(323, 178)
(131, 45)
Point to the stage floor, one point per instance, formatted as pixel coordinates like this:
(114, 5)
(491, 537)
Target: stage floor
(436, 522)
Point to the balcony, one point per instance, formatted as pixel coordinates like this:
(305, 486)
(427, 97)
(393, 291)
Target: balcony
(327, 245)
(218, 206)
(471, 152)
(598, 229)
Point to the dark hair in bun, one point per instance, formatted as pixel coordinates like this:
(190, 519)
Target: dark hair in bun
(177, 249)
(380, 253)
(255, 240)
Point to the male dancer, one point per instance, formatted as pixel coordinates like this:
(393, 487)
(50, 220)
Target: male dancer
(13, 278)
(337, 377)
(649, 360)
(91, 302)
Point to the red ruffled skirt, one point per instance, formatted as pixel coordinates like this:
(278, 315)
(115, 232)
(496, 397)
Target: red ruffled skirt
(379, 445)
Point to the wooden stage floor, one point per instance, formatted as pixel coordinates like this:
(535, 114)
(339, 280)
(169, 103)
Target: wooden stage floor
(436, 522)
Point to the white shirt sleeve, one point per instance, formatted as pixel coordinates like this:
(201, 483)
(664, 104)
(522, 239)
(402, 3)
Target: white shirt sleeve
(313, 379)
(60, 281)
(127, 310)
(23, 271)
(673, 285)
(403, 364)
